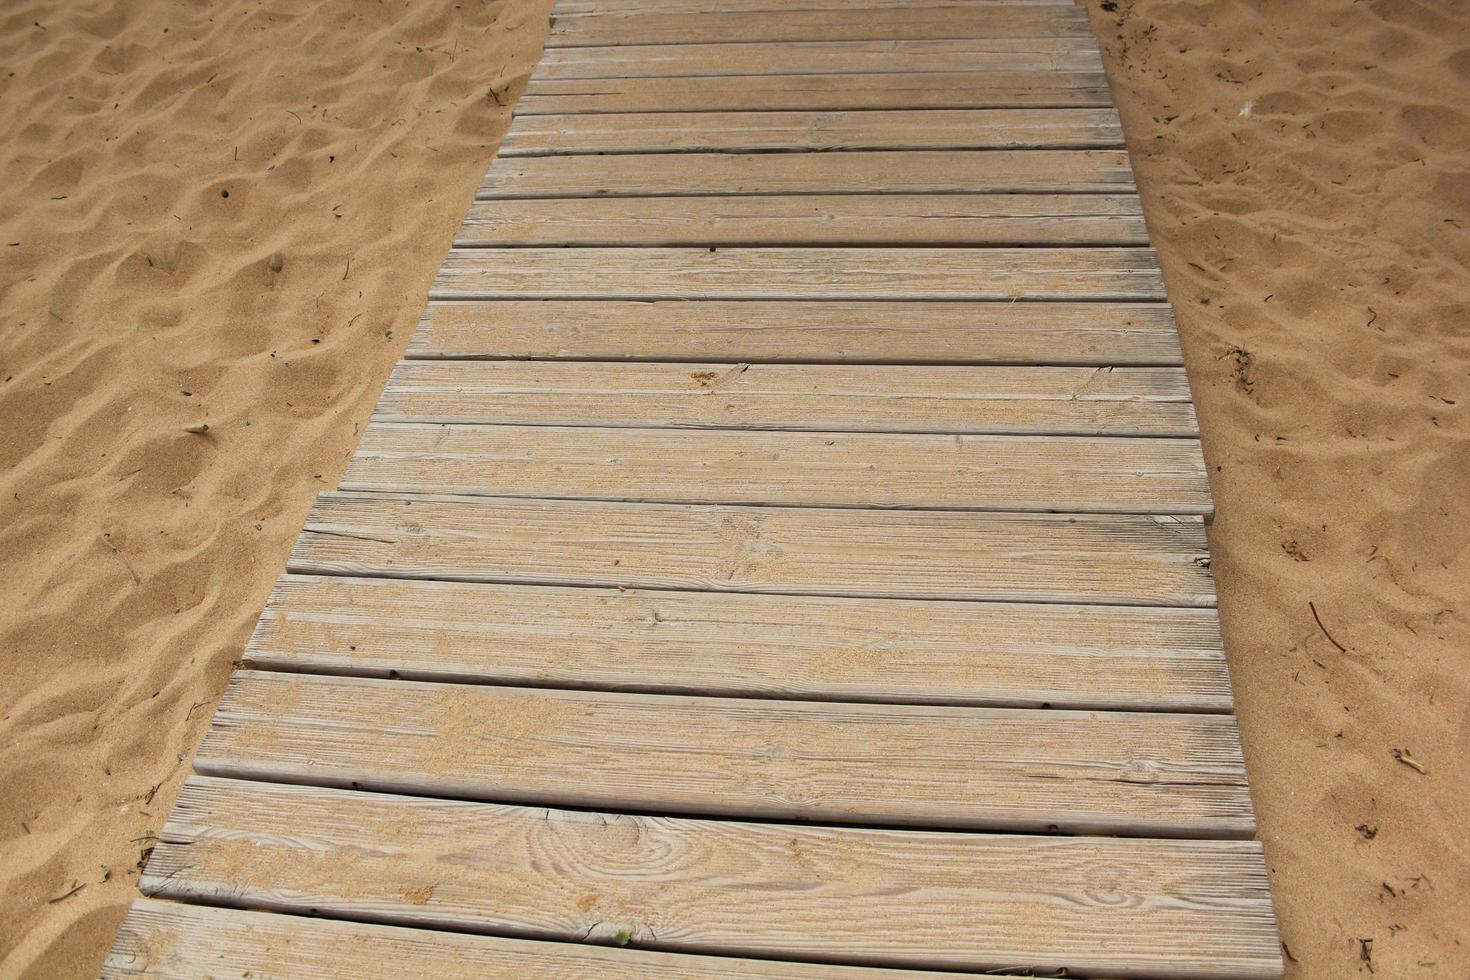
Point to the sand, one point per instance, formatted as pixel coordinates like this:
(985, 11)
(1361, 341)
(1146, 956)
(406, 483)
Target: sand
(1303, 171)
(139, 301)
(1303, 168)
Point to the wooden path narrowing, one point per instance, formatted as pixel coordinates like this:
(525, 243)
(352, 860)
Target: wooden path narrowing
(781, 552)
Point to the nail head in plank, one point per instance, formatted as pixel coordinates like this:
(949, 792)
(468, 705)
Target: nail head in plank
(184, 942)
(1108, 906)
(1114, 559)
(873, 129)
(1086, 334)
(948, 219)
(1102, 273)
(854, 90)
(909, 24)
(805, 647)
(860, 171)
(1151, 401)
(1153, 773)
(1057, 54)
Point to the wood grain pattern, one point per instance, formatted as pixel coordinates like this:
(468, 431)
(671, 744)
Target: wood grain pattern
(576, 8)
(801, 273)
(983, 654)
(1101, 906)
(1085, 334)
(1037, 474)
(1153, 774)
(756, 174)
(172, 941)
(854, 90)
(1032, 54)
(872, 129)
(797, 433)
(842, 219)
(1117, 559)
(827, 398)
(908, 24)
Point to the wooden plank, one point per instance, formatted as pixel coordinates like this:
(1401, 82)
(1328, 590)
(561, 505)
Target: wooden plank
(184, 942)
(801, 273)
(876, 172)
(1115, 559)
(842, 219)
(578, 8)
(891, 90)
(1090, 334)
(1146, 773)
(887, 24)
(870, 129)
(1037, 474)
(1091, 906)
(626, 569)
(1026, 655)
(823, 398)
(1057, 54)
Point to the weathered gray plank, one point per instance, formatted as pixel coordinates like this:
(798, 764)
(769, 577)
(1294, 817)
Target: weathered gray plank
(908, 24)
(794, 660)
(577, 8)
(1144, 773)
(871, 129)
(801, 274)
(853, 90)
(826, 398)
(1039, 474)
(184, 942)
(876, 172)
(1087, 334)
(1118, 559)
(804, 647)
(842, 219)
(1032, 54)
(1100, 906)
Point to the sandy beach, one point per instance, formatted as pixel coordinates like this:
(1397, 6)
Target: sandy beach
(219, 227)
(1303, 172)
(220, 215)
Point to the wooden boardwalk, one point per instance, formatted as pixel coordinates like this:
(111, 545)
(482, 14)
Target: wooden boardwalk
(781, 552)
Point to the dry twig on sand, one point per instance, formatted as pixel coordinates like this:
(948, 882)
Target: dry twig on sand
(1312, 606)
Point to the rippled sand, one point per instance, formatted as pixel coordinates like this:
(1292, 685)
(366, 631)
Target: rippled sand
(139, 300)
(1305, 175)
